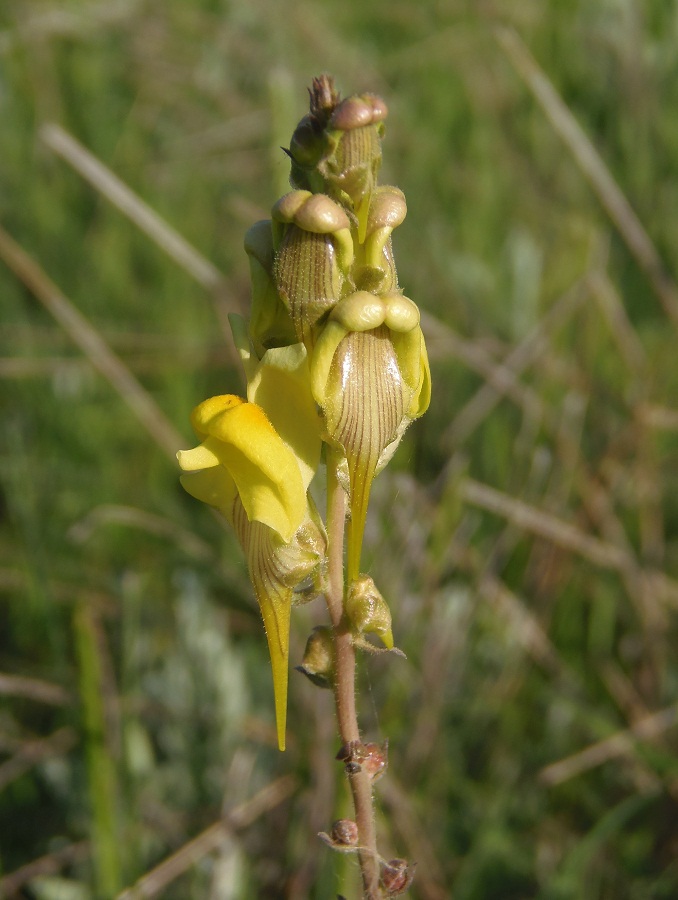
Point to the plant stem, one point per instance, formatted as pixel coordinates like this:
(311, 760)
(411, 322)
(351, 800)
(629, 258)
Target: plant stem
(101, 770)
(344, 682)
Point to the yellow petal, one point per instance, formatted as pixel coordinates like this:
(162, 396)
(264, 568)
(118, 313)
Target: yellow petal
(200, 457)
(213, 486)
(275, 602)
(284, 373)
(276, 569)
(323, 355)
(413, 362)
(263, 467)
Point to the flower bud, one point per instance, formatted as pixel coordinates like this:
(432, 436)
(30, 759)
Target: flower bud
(370, 380)
(352, 169)
(343, 836)
(355, 129)
(318, 661)
(336, 149)
(310, 142)
(376, 270)
(375, 759)
(270, 323)
(345, 831)
(314, 253)
(370, 757)
(357, 112)
(397, 876)
(367, 611)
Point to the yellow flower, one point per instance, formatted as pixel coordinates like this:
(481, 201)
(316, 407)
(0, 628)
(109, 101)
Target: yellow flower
(241, 453)
(257, 476)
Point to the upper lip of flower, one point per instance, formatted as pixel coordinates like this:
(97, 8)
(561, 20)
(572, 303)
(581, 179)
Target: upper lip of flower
(268, 448)
(239, 438)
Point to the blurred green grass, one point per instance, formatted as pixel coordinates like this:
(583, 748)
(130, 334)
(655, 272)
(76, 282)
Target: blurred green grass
(532, 632)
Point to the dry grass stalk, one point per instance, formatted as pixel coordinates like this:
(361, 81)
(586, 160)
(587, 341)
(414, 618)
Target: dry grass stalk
(121, 196)
(34, 689)
(145, 218)
(50, 864)
(619, 744)
(593, 168)
(517, 360)
(155, 881)
(31, 753)
(85, 336)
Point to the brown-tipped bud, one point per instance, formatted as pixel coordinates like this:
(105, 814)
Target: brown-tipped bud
(396, 876)
(314, 253)
(358, 111)
(318, 662)
(311, 212)
(367, 611)
(345, 832)
(387, 209)
(370, 757)
(308, 142)
(353, 159)
(375, 759)
(343, 836)
(353, 112)
(324, 97)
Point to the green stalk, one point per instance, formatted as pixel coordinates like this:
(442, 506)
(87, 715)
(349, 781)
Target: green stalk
(101, 768)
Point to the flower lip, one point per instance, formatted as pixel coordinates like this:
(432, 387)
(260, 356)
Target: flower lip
(240, 439)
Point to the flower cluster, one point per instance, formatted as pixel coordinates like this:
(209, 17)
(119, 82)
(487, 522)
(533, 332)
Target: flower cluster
(334, 358)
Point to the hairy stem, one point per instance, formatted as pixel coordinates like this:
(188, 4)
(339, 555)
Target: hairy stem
(344, 685)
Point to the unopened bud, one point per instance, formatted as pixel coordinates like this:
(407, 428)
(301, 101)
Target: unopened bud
(387, 210)
(367, 611)
(318, 661)
(369, 757)
(375, 759)
(343, 836)
(308, 143)
(313, 256)
(324, 97)
(396, 876)
(356, 128)
(358, 111)
(345, 831)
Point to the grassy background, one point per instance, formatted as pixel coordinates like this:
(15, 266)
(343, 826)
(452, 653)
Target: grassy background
(525, 536)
